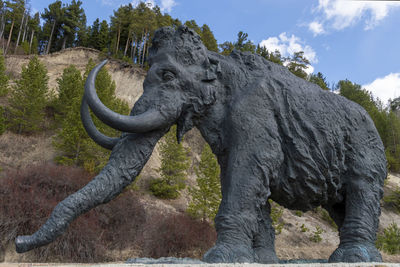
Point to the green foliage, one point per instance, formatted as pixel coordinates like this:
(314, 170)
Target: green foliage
(316, 237)
(72, 141)
(389, 241)
(393, 199)
(243, 44)
(3, 77)
(298, 213)
(174, 166)
(304, 228)
(207, 195)
(319, 80)
(324, 214)
(2, 121)
(70, 87)
(226, 48)
(29, 98)
(25, 47)
(275, 57)
(208, 38)
(298, 64)
(276, 216)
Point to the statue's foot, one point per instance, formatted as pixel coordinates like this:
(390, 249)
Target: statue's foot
(24, 243)
(265, 255)
(356, 252)
(225, 253)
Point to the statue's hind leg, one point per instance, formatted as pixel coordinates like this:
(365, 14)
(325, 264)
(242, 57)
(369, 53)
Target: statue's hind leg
(360, 222)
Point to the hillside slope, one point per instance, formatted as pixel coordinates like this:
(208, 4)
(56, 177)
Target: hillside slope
(18, 151)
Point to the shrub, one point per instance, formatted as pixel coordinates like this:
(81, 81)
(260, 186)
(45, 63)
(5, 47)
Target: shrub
(176, 236)
(29, 196)
(298, 213)
(276, 216)
(2, 121)
(3, 77)
(304, 228)
(317, 235)
(324, 214)
(393, 199)
(389, 241)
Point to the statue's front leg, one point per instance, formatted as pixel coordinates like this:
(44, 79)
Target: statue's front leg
(242, 223)
(126, 161)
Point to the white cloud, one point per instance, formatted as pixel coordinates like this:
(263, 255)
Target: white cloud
(385, 88)
(150, 3)
(288, 45)
(340, 14)
(316, 28)
(167, 5)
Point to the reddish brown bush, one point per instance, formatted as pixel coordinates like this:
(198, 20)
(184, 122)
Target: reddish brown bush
(176, 236)
(28, 196)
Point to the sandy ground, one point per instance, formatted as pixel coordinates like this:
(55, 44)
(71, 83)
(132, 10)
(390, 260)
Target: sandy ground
(380, 264)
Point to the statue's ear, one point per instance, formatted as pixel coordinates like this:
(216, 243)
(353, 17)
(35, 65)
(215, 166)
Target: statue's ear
(212, 68)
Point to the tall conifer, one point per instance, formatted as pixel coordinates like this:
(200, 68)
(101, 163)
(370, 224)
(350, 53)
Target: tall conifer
(206, 196)
(28, 98)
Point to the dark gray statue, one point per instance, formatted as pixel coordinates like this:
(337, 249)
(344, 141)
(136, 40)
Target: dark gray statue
(275, 135)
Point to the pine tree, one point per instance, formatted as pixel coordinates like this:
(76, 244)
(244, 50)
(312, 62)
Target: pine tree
(226, 48)
(208, 38)
(207, 195)
(72, 141)
(53, 17)
(275, 57)
(3, 76)
(104, 36)
(193, 25)
(243, 44)
(174, 166)
(70, 87)
(73, 21)
(29, 98)
(320, 80)
(298, 64)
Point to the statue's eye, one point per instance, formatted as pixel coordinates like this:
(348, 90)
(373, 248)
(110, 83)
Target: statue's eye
(168, 75)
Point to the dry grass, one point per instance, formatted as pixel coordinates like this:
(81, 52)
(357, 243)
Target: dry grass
(18, 151)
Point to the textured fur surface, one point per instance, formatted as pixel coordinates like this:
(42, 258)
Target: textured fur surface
(275, 135)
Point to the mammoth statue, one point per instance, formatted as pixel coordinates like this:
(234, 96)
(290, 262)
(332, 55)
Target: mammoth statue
(276, 136)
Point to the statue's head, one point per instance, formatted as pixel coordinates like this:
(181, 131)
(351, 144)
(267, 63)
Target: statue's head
(180, 85)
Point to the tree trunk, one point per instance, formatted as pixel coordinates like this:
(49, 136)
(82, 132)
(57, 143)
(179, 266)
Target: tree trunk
(25, 28)
(19, 33)
(64, 43)
(134, 45)
(30, 43)
(50, 38)
(9, 37)
(118, 37)
(139, 56)
(127, 44)
(2, 26)
(144, 47)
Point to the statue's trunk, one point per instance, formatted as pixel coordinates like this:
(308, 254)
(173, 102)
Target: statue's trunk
(126, 161)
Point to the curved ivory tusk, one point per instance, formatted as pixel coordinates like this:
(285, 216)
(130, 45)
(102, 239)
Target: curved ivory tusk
(145, 122)
(96, 135)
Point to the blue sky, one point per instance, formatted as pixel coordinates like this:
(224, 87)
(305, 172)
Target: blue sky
(355, 40)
